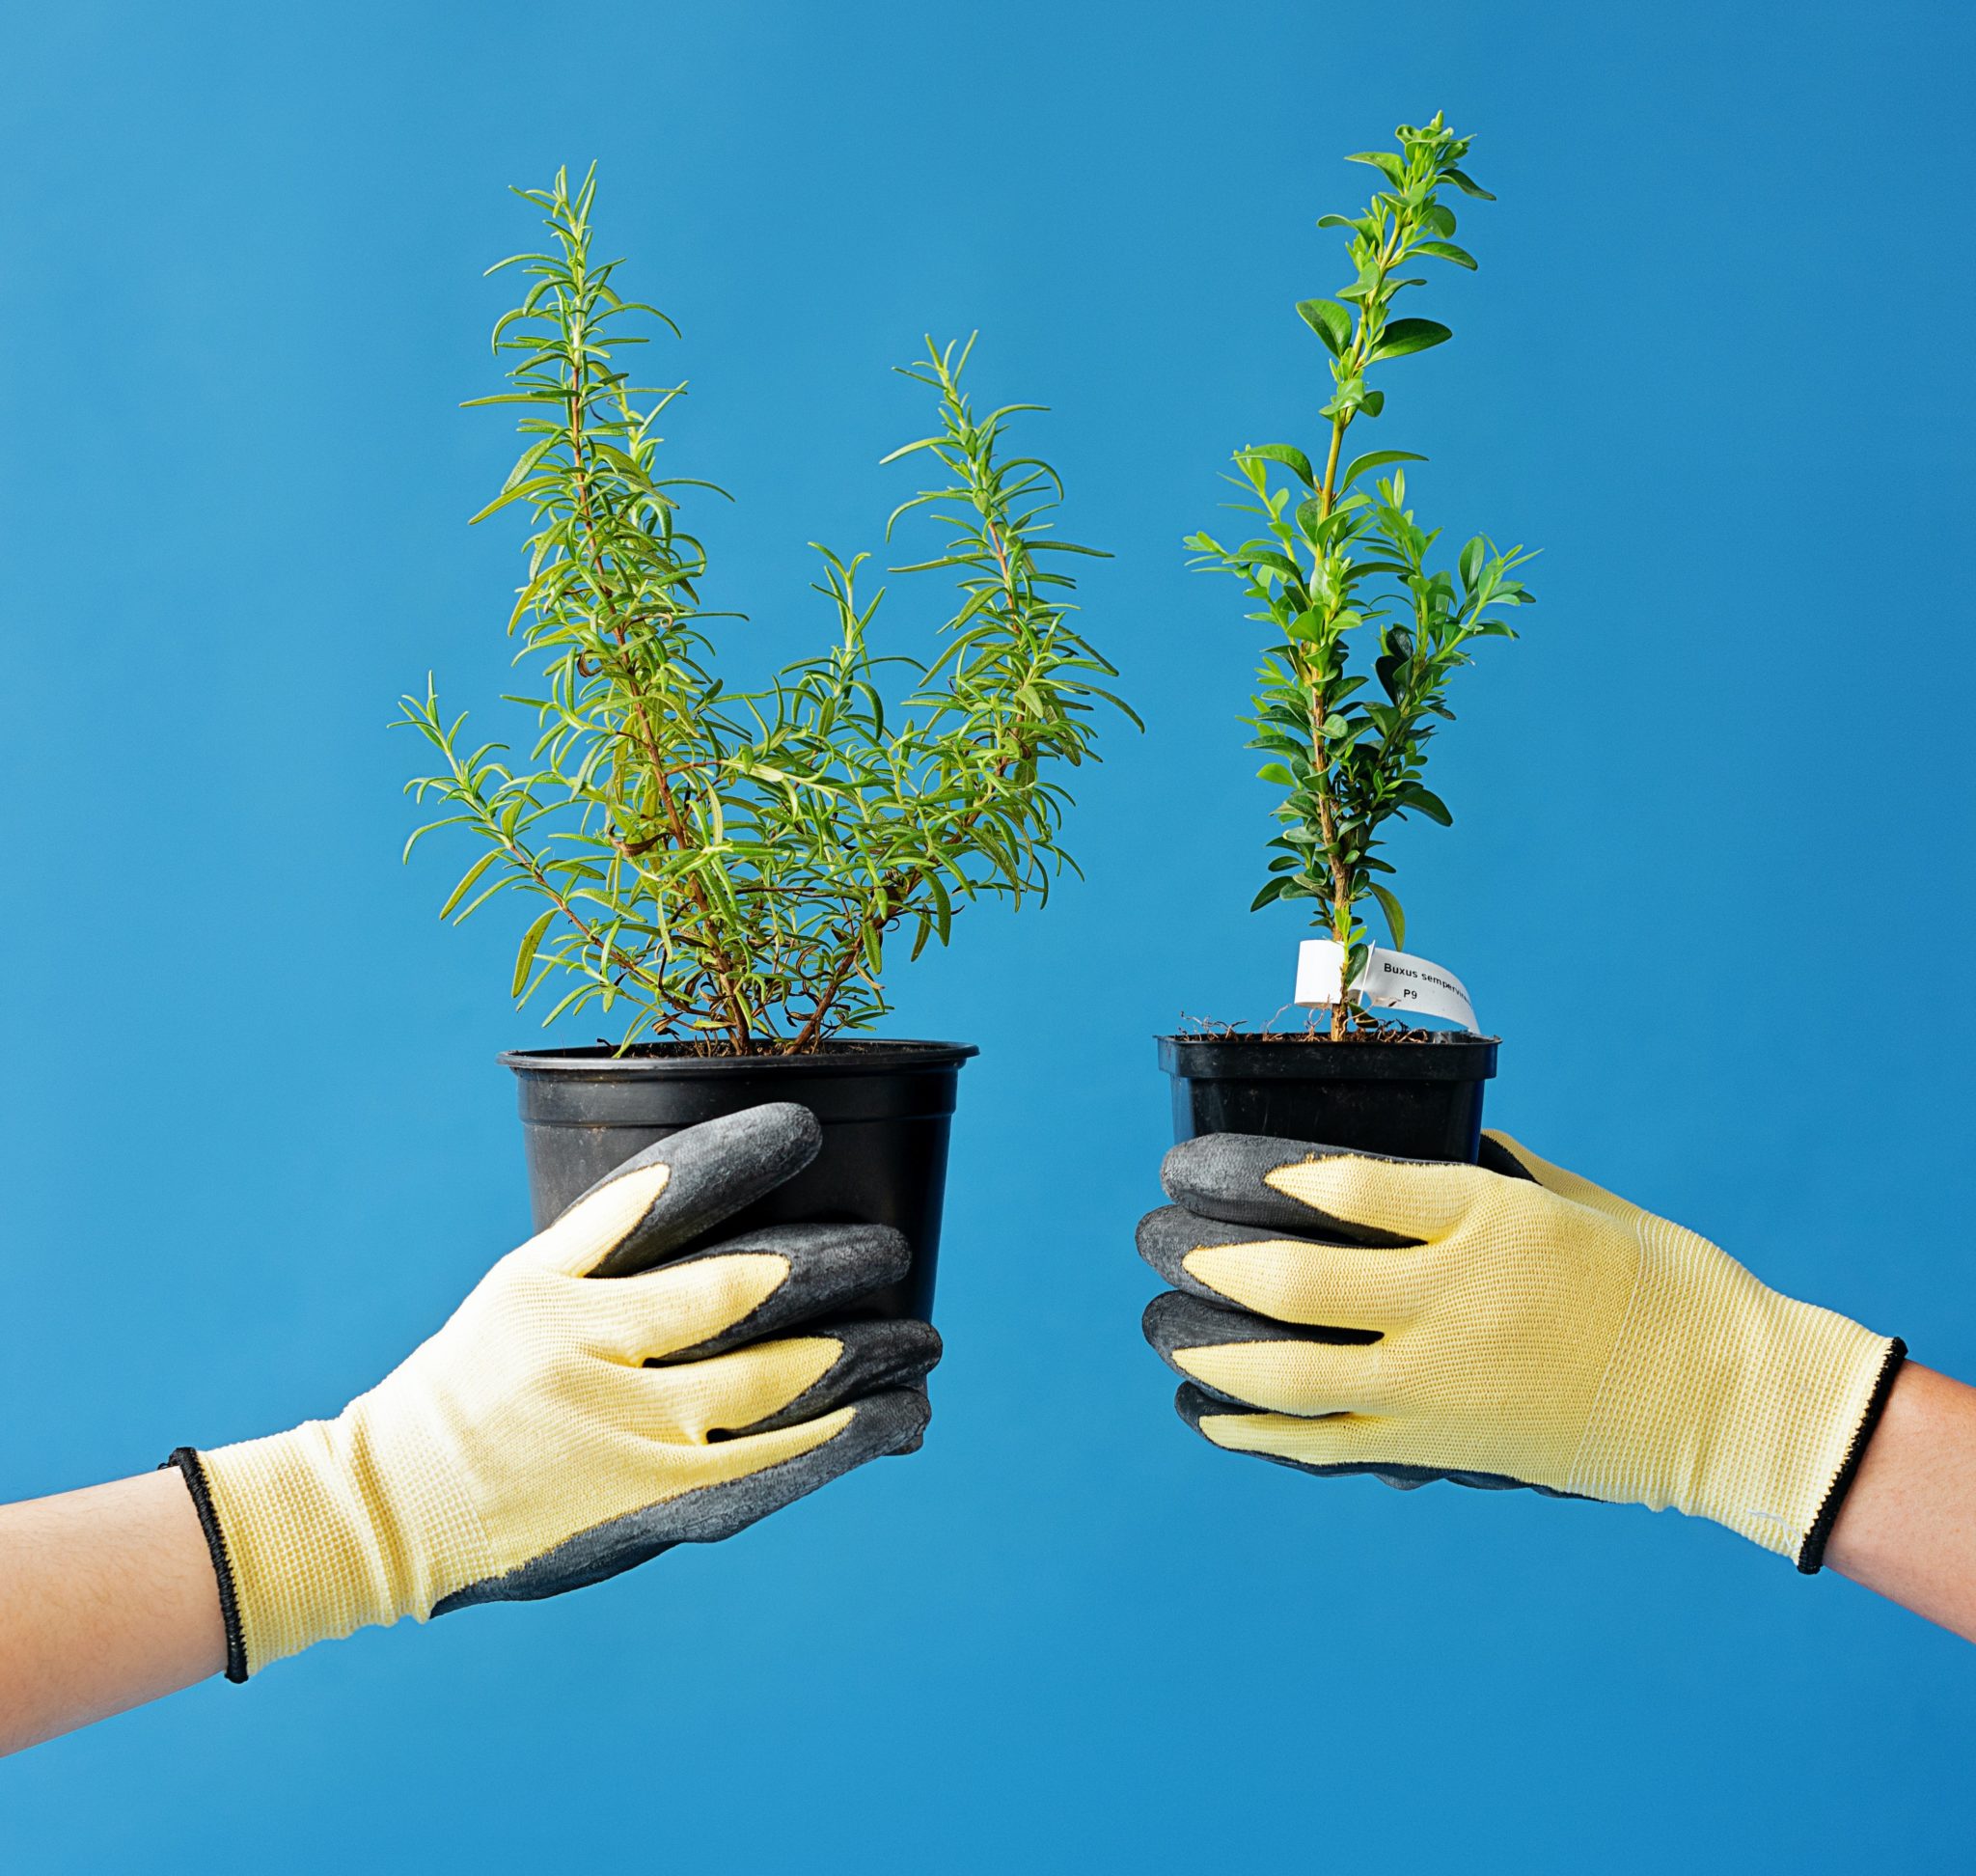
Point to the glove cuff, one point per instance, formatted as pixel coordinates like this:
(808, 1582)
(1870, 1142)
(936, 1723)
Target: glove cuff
(1794, 1427)
(302, 1540)
(186, 1462)
(1729, 1401)
(1811, 1555)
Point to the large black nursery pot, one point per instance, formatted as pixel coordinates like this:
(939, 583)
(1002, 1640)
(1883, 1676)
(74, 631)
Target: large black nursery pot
(885, 1109)
(1417, 1099)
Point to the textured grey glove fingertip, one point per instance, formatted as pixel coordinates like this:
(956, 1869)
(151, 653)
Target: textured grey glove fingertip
(882, 1424)
(877, 1357)
(1166, 1237)
(717, 1168)
(830, 1266)
(1195, 1403)
(1173, 1322)
(907, 1421)
(1223, 1176)
(1496, 1156)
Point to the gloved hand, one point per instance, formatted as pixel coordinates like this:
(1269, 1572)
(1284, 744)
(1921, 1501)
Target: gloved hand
(532, 1447)
(1501, 1324)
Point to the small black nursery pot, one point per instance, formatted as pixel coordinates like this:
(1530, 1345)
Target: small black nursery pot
(1418, 1099)
(885, 1109)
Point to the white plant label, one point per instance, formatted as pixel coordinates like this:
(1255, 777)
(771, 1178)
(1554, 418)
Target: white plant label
(1390, 981)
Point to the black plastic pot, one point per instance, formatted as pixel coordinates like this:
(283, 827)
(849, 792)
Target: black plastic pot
(885, 1108)
(1411, 1100)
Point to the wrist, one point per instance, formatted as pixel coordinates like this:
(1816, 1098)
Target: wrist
(1906, 1526)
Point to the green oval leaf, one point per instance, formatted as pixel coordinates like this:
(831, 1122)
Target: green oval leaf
(1293, 459)
(1375, 460)
(1395, 918)
(1331, 321)
(1389, 163)
(1402, 337)
(1273, 889)
(1428, 803)
(1276, 562)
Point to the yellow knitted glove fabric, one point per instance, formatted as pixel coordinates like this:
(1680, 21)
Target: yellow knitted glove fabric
(527, 1447)
(1534, 1330)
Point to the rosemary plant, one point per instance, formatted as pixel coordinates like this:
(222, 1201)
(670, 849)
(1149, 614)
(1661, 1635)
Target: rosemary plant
(1336, 563)
(723, 868)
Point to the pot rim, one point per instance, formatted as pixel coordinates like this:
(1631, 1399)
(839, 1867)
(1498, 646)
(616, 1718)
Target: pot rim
(1453, 1055)
(879, 1056)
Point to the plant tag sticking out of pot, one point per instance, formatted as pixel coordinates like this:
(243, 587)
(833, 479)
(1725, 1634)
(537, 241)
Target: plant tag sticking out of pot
(1390, 981)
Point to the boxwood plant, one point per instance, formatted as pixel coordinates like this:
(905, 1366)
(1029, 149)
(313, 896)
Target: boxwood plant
(723, 868)
(1345, 576)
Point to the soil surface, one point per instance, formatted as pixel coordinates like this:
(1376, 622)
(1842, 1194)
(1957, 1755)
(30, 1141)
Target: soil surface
(836, 1045)
(1365, 1029)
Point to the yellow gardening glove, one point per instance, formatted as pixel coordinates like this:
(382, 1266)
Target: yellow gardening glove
(1502, 1324)
(580, 1411)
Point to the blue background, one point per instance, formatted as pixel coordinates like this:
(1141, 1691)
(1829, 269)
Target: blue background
(254, 1142)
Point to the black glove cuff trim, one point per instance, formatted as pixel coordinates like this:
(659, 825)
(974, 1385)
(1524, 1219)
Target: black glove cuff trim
(1811, 1555)
(194, 1473)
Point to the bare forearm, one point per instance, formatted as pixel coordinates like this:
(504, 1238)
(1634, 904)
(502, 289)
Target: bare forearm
(107, 1600)
(1908, 1529)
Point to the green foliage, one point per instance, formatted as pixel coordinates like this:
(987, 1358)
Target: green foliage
(1336, 563)
(725, 868)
